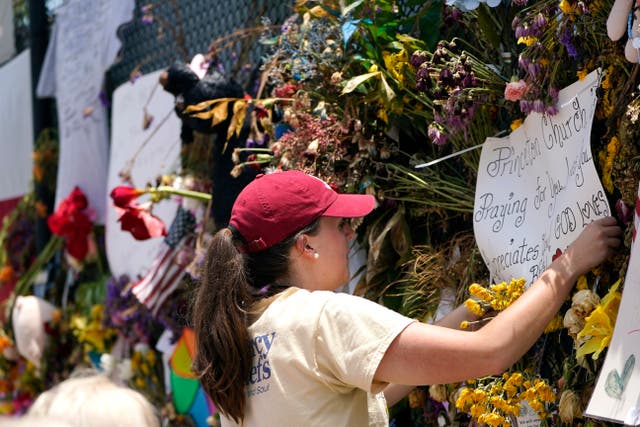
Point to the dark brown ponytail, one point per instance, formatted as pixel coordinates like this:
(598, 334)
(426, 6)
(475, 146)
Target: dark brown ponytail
(230, 283)
(223, 356)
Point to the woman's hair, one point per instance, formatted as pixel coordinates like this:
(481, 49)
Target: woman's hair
(94, 401)
(231, 283)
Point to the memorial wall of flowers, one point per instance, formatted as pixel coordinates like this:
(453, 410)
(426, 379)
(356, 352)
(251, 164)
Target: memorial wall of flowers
(359, 94)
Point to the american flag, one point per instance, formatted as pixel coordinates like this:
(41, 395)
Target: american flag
(168, 266)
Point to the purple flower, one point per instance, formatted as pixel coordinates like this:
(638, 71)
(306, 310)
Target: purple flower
(565, 38)
(624, 213)
(538, 106)
(418, 58)
(436, 135)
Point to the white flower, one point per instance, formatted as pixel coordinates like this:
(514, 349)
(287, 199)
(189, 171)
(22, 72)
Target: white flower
(573, 321)
(141, 348)
(124, 370)
(584, 302)
(107, 362)
(438, 392)
(569, 407)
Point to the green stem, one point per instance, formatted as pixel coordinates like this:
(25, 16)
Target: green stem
(180, 192)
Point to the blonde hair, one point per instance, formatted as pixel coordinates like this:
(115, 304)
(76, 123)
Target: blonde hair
(31, 421)
(95, 401)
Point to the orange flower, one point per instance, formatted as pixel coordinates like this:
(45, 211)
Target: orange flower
(6, 273)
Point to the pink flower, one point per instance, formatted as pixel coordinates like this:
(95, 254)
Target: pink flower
(514, 91)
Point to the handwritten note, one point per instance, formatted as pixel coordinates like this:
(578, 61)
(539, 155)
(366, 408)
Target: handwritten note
(616, 396)
(159, 155)
(83, 44)
(538, 187)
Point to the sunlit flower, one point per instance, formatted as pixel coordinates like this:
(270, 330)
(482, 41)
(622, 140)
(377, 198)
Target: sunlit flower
(597, 331)
(123, 196)
(584, 301)
(140, 222)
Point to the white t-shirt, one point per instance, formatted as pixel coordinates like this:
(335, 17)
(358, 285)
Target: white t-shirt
(315, 356)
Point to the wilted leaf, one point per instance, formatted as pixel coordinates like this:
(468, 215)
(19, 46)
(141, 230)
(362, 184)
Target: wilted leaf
(356, 81)
(388, 92)
(347, 10)
(239, 113)
(219, 113)
(318, 12)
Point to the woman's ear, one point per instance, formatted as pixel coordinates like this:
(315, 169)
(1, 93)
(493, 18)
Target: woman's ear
(303, 246)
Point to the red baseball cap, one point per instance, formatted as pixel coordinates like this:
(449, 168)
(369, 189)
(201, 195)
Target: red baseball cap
(275, 206)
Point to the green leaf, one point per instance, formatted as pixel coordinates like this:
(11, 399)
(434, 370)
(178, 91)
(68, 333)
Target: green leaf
(429, 23)
(356, 81)
(488, 26)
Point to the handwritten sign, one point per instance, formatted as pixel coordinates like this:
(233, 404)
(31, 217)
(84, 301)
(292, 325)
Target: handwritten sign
(159, 153)
(83, 44)
(616, 396)
(538, 187)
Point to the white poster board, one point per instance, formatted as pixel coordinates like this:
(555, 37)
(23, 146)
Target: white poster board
(616, 396)
(159, 155)
(16, 122)
(538, 188)
(83, 44)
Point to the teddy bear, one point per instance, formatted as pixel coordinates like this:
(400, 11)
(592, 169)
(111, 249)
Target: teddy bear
(625, 18)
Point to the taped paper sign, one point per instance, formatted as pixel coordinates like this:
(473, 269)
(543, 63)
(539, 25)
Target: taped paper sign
(538, 187)
(616, 396)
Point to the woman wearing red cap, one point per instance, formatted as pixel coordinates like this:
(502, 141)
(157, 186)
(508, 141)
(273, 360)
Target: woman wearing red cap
(276, 347)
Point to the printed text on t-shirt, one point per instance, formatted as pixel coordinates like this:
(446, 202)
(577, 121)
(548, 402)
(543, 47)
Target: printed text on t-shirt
(260, 347)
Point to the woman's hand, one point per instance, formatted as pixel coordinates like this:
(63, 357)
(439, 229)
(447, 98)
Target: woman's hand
(596, 242)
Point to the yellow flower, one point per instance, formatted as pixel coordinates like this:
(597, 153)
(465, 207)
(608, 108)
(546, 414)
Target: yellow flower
(612, 150)
(382, 115)
(555, 324)
(516, 124)
(582, 74)
(606, 81)
(396, 63)
(597, 331)
(566, 7)
(582, 283)
(527, 41)
(464, 324)
(464, 398)
(479, 292)
(474, 307)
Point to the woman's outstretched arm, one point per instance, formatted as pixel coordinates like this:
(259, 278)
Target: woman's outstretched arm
(429, 354)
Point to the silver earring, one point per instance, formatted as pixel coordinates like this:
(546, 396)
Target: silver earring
(316, 255)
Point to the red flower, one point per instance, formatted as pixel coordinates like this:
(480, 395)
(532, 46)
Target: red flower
(72, 222)
(124, 196)
(140, 222)
(556, 255)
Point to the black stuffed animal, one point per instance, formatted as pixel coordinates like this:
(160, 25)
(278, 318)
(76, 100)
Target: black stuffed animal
(181, 81)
